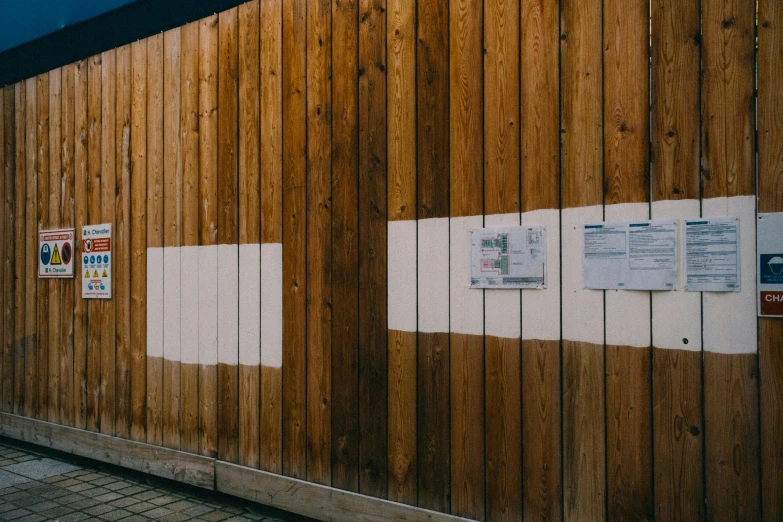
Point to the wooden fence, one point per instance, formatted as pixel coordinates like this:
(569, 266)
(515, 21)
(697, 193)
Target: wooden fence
(291, 184)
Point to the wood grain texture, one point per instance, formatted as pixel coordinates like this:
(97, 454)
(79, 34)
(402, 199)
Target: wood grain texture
(7, 258)
(249, 213)
(208, 211)
(155, 217)
(94, 163)
(584, 484)
(108, 187)
(770, 187)
(189, 136)
(138, 234)
(271, 212)
(432, 201)
(373, 351)
(19, 248)
(731, 424)
(319, 242)
(54, 200)
(401, 204)
(227, 216)
(80, 219)
(42, 211)
(31, 375)
(67, 215)
(3, 237)
(345, 246)
(294, 77)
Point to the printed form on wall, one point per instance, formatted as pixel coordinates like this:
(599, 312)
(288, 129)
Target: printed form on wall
(55, 249)
(96, 261)
(638, 255)
(712, 260)
(508, 257)
(770, 264)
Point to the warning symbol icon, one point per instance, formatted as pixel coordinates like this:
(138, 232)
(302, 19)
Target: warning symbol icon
(56, 256)
(104, 273)
(86, 273)
(95, 274)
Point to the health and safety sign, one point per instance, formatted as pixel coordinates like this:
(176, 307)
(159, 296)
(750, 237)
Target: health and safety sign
(769, 237)
(55, 253)
(96, 261)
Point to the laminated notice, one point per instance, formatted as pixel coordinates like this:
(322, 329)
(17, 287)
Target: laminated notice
(712, 260)
(769, 239)
(635, 255)
(508, 257)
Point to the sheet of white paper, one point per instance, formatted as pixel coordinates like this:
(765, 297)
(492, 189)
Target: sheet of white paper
(635, 255)
(712, 261)
(508, 257)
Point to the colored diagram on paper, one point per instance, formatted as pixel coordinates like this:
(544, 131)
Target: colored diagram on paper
(508, 257)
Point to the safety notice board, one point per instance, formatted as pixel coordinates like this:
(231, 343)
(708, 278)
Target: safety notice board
(770, 264)
(55, 253)
(96, 261)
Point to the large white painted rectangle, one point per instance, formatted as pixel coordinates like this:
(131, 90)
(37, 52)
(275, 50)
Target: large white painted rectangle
(508, 257)
(769, 238)
(712, 255)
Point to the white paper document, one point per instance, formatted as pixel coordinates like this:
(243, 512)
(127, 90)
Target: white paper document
(712, 260)
(636, 255)
(508, 257)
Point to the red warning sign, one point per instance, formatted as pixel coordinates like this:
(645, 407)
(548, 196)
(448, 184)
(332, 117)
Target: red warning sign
(771, 303)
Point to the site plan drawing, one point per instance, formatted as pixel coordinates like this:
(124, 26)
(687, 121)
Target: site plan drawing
(508, 257)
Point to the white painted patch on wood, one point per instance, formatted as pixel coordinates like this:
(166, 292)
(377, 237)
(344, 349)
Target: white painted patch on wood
(433, 270)
(541, 308)
(171, 303)
(627, 311)
(401, 276)
(189, 260)
(272, 305)
(730, 317)
(228, 304)
(676, 316)
(155, 302)
(207, 304)
(583, 309)
(502, 308)
(249, 304)
(466, 304)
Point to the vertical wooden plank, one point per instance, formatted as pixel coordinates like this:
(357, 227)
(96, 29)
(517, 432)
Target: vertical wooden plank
(228, 376)
(55, 203)
(80, 156)
(19, 248)
(172, 235)
(208, 208)
(138, 233)
(628, 330)
(189, 130)
(67, 216)
(584, 482)
(319, 242)
(729, 319)
(94, 132)
(249, 235)
(502, 307)
(5, 240)
(540, 161)
(271, 231)
(677, 357)
(154, 148)
(9, 223)
(770, 187)
(373, 350)
(345, 246)
(466, 307)
(42, 202)
(401, 205)
(31, 249)
(108, 194)
(122, 235)
(432, 132)
(294, 75)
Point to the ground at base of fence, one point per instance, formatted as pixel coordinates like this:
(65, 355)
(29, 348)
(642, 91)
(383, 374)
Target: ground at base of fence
(38, 484)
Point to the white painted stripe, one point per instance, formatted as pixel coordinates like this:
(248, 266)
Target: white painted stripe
(171, 303)
(676, 316)
(249, 304)
(272, 305)
(502, 308)
(228, 304)
(402, 275)
(583, 309)
(466, 304)
(189, 306)
(433, 267)
(207, 304)
(541, 308)
(155, 302)
(627, 311)
(730, 317)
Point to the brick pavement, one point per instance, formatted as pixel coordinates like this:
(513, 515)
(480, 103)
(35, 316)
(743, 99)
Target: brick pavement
(38, 484)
